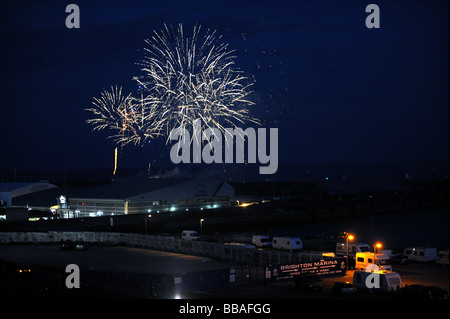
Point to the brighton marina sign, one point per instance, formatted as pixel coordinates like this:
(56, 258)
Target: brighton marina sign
(212, 145)
(331, 267)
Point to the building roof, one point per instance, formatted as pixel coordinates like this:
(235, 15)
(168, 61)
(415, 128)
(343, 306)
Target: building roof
(201, 188)
(19, 189)
(9, 187)
(134, 189)
(128, 187)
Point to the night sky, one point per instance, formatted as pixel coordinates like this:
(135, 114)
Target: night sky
(337, 91)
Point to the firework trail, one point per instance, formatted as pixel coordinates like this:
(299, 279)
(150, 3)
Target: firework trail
(185, 78)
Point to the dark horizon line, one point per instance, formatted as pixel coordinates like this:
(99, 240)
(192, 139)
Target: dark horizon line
(203, 165)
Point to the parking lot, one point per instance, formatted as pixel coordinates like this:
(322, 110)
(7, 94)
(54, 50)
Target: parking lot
(413, 274)
(135, 260)
(107, 258)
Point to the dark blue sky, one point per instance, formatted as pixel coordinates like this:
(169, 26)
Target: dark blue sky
(337, 91)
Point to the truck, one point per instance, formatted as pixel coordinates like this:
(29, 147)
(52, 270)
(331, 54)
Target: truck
(367, 258)
(353, 248)
(287, 243)
(261, 241)
(189, 235)
(442, 258)
(381, 280)
(421, 254)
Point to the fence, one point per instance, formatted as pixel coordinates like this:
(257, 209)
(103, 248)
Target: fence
(239, 254)
(250, 263)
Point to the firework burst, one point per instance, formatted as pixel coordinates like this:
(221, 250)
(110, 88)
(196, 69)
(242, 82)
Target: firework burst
(193, 78)
(129, 119)
(185, 78)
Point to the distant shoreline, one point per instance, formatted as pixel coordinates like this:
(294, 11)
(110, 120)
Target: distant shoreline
(375, 176)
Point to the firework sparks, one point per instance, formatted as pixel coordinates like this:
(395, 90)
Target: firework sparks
(127, 117)
(184, 78)
(194, 78)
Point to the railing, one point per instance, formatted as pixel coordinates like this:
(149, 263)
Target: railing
(235, 253)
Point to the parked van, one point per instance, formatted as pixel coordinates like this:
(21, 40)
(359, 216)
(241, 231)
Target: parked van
(442, 258)
(365, 259)
(261, 241)
(287, 243)
(353, 248)
(189, 235)
(421, 254)
(388, 281)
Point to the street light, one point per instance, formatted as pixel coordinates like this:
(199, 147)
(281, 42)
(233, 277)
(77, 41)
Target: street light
(145, 221)
(348, 237)
(201, 229)
(375, 247)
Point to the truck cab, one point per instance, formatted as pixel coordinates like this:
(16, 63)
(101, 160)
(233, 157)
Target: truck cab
(353, 248)
(442, 257)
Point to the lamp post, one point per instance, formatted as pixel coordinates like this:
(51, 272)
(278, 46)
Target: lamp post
(145, 221)
(375, 246)
(201, 229)
(348, 237)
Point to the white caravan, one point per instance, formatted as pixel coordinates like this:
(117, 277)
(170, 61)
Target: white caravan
(378, 281)
(261, 241)
(287, 243)
(189, 235)
(421, 254)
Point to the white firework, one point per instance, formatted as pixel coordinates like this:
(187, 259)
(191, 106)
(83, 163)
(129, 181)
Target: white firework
(185, 78)
(128, 118)
(194, 77)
